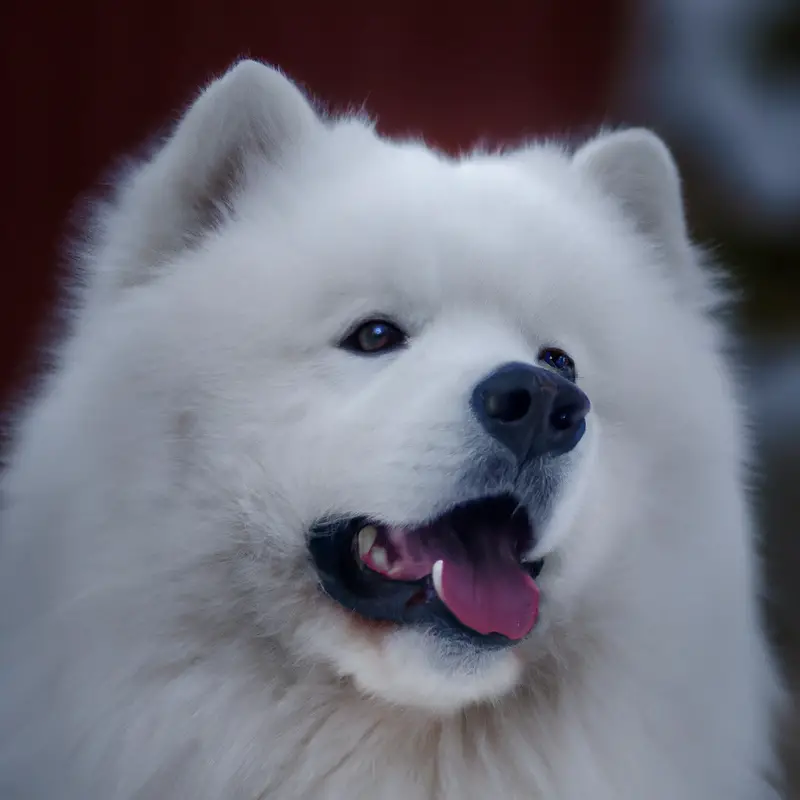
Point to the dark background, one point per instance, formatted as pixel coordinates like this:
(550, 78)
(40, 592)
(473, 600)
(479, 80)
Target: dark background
(87, 82)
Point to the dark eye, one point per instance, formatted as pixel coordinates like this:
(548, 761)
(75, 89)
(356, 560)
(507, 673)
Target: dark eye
(374, 337)
(559, 361)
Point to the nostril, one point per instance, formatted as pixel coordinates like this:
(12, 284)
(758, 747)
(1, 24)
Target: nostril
(508, 406)
(567, 416)
(561, 420)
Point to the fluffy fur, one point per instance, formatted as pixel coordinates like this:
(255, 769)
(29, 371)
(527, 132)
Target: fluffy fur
(163, 633)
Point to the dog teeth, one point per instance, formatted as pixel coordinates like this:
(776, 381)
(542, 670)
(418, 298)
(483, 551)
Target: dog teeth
(379, 558)
(372, 555)
(366, 538)
(436, 576)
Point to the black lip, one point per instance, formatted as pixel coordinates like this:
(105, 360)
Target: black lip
(376, 598)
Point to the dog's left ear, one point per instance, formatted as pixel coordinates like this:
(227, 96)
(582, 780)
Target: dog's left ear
(634, 169)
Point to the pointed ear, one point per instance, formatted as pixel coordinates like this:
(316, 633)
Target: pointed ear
(249, 118)
(634, 169)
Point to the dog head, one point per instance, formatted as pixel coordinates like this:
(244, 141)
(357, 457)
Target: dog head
(421, 398)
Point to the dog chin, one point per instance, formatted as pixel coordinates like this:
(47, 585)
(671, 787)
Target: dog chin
(416, 668)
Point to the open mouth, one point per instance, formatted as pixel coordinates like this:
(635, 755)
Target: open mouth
(462, 573)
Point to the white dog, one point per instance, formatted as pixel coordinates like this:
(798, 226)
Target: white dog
(371, 474)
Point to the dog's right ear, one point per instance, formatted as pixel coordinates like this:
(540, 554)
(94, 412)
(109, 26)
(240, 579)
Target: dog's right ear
(244, 122)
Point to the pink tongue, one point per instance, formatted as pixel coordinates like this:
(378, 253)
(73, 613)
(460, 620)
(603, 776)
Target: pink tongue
(484, 587)
(499, 597)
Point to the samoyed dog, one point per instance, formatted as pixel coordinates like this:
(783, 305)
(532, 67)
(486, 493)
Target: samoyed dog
(369, 473)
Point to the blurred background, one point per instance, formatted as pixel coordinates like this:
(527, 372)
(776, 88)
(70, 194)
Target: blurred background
(87, 82)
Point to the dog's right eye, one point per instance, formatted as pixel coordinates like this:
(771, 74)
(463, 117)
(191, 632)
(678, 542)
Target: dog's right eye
(374, 337)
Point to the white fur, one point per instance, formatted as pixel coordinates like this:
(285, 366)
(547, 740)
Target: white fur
(163, 635)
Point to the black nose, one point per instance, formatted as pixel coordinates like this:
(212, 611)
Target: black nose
(531, 410)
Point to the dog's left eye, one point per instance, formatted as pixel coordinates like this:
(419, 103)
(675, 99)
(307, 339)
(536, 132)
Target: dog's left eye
(559, 361)
(374, 337)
